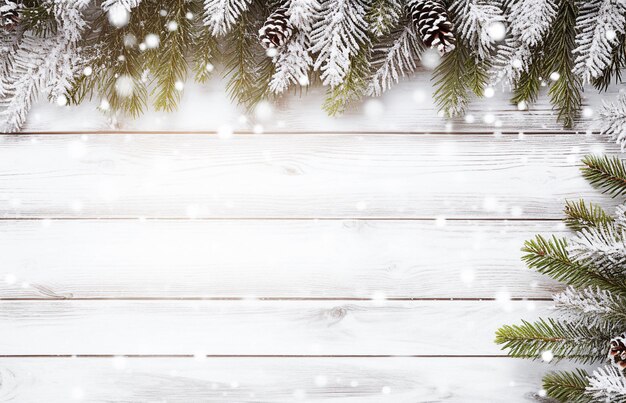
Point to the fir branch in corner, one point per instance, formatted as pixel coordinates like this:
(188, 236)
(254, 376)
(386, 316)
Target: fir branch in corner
(605, 173)
(565, 92)
(550, 257)
(579, 215)
(563, 340)
(567, 386)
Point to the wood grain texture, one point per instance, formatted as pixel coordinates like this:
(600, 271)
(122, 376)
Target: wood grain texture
(256, 327)
(407, 107)
(355, 380)
(293, 176)
(268, 259)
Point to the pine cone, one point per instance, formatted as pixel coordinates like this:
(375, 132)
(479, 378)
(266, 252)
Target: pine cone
(433, 24)
(277, 29)
(617, 352)
(9, 16)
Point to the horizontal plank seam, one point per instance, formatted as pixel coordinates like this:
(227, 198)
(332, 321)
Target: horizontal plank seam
(452, 299)
(352, 218)
(74, 356)
(312, 133)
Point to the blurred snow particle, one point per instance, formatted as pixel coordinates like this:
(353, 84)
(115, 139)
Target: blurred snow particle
(225, 132)
(152, 41)
(419, 96)
(555, 76)
(361, 205)
(497, 31)
(547, 356)
(516, 63)
(172, 26)
(321, 380)
(386, 390)
(610, 34)
(118, 15)
(489, 92)
(522, 106)
(271, 52)
(587, 112)
(124, 86)
(374, 109)
(440, 221)
(263, 111)
(10, 279)
(469, 118)
(87, 71)
(430, 58)
(104, 105)
(61, 100)
(179, 85)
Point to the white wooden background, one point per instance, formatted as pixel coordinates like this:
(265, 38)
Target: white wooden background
(368, 258)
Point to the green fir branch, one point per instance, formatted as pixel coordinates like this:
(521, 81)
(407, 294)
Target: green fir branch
(550, 257)
(167, 62)
(605, 173)
(567, 386)
(526, 88)
(580, 215)
(584, 344)
(456, 77)
(355, 83)
(248, 68)
(613, 72)
(383, 16)
(565, 92)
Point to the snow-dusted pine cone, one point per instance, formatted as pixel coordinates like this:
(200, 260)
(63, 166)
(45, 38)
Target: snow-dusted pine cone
(433, 24)
(617, 352)
(9, 16)
(277, 30)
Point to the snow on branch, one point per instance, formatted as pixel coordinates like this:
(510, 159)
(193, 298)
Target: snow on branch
(338, 35)
(613, 120)
(395, 60)
(474, 19)
(598, 24)
(221, 15)
(607, 384)
(46, 65)
(603, 248)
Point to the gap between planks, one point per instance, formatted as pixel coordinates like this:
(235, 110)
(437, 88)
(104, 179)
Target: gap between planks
(299, 133)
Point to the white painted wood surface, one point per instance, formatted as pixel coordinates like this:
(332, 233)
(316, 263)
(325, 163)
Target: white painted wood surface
(245, 258)
(275, 328)
(293, 176)
(353, 380)
(300, 260)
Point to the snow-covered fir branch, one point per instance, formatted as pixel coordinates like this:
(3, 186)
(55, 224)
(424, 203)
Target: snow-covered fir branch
(612, 119)
(221, 15)
(292, 64)
(475, 20)
(530, 20)
(603, 248)
(302, 13)
(598, 23)
(127, 4)
(607, 384)
(591, 307)
(395, 60)
(337, 35)
(620, 217)
(383, 15)
(43, 65)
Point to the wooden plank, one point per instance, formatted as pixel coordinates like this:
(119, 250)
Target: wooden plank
(291, 176)
(380, 380)
(275, 258)
(256, 327)
(407, 107)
